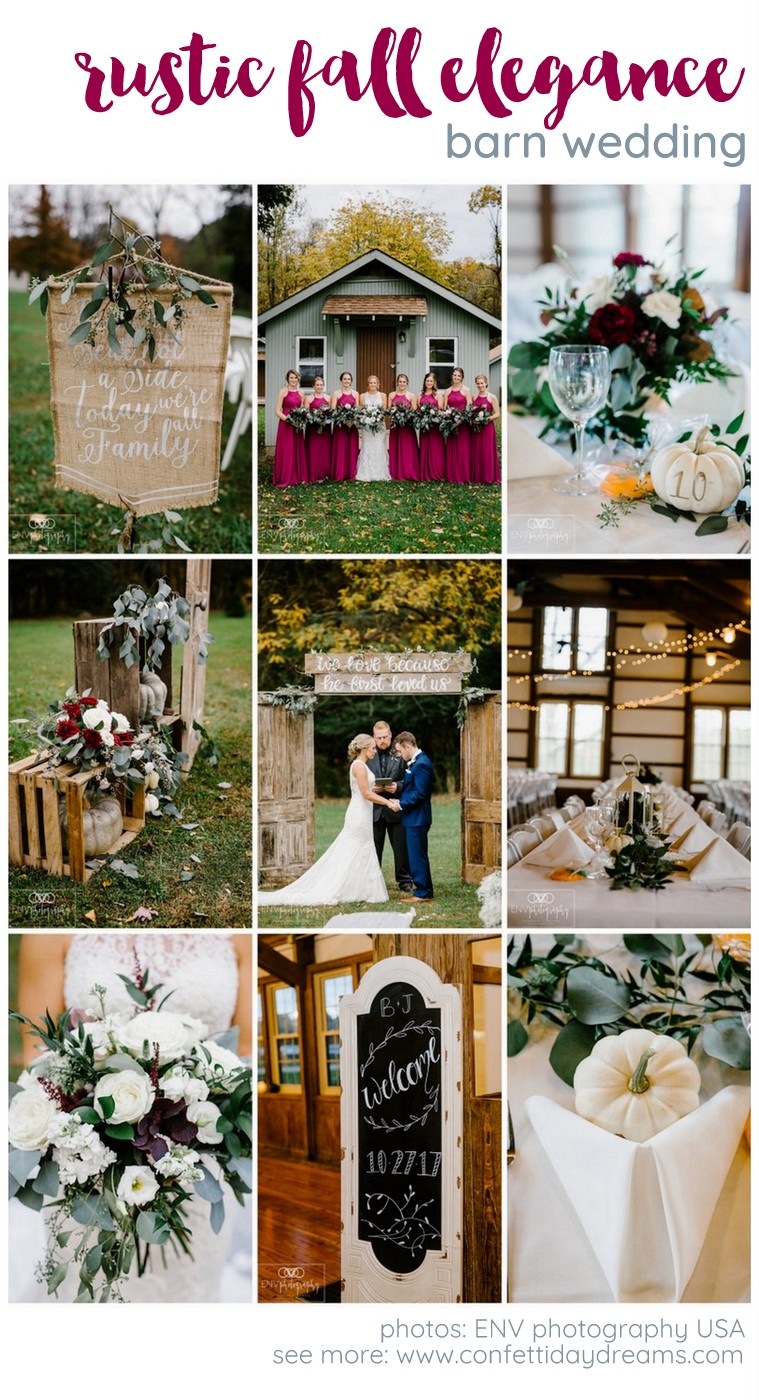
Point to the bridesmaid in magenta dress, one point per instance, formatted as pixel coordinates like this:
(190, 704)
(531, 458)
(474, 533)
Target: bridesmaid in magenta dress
(404, 448)
(344, 440)
(289, 449)
(318, 444)
(486, 470)
(458, 447)
(431, 450)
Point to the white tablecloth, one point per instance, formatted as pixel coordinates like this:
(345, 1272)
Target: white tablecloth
(550, 1257)
(534, 900)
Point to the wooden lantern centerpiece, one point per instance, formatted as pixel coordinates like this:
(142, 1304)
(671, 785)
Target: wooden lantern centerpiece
(633, 808)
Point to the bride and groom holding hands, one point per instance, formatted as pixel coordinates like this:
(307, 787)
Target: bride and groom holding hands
(350, 870)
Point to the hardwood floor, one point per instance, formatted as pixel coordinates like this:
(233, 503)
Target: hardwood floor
(298, 1228)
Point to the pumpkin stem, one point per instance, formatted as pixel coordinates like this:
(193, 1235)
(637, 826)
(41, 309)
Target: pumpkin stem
(639, 1082)
(701, 443)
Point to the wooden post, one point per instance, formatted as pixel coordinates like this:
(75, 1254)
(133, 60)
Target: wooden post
(481, 790)
(450, 956)
(193, 683)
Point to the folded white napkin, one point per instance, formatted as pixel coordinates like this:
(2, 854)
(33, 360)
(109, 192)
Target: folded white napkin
(645, 1207)
(685, 819)
(692, 838)
(719, 864)
(527, 455)
(565, 848)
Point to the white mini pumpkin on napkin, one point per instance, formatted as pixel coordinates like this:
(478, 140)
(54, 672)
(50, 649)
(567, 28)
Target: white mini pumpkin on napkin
(636, 1084)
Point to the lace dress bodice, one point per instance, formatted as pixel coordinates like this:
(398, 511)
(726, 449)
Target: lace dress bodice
(199, 969)
(373, 459)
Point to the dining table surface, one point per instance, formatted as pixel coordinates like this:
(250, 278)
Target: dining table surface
(550, 1257)
(534, 900)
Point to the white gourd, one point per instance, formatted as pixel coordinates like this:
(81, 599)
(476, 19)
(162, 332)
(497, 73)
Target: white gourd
(153, 692)
(699, 475)
(102, 824)
(636, 1084)
(152, 803)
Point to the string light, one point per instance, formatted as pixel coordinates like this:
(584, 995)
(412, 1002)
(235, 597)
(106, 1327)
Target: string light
(651, 700)
(632, 656)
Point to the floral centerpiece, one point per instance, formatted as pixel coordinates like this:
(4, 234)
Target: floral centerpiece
(656, 328)
(115, 1128)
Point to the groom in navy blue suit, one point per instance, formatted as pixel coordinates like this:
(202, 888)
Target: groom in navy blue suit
(416, 814)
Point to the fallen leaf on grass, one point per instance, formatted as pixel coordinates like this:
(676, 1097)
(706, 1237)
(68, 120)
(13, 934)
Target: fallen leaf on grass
(91, 916)
(224, 785)
(197, 860)
(189, 826)
(142, 915)
(187, 874)
(130, 871)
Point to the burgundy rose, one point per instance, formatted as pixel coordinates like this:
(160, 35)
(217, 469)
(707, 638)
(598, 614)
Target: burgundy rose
(631, 260)
(124, 739)
(612, 325)
(92, 739)
(72, 708)
(87, 701)
(66, 729)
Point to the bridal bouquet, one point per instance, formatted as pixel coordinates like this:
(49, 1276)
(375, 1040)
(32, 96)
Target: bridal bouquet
(655, 327)
(402, 416)
(372, 420)
(114, 1129)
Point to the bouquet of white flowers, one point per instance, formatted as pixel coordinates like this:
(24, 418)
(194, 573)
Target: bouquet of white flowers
(118, 1123)
(372, 419)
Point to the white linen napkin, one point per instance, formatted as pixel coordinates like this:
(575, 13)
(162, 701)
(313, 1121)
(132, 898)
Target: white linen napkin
(565, 848)
(645, 1207)
(719, 864)
(694, 838)
(527, 455)
(685, 819)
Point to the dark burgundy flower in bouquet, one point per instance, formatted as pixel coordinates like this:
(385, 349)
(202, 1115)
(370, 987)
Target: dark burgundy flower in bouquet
(72, 708)
(631, 260)
(165, 1120)
(612, 325)
(124, 739)
(66, 729)
(92, 739)
(87, 701)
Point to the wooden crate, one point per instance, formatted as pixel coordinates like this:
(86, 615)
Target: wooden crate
(35, 836)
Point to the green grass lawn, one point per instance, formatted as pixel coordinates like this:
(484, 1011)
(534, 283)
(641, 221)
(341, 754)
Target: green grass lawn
(375, 517)
(224, 528)
(455, 905)
(218, 896)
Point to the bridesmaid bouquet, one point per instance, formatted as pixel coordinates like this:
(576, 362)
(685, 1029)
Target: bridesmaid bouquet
(656, 329)
(427, 417)
(115, 1127)
(402, 416)
(451, 420)
(372, 420)
(317, 419)
(477, 416)
(346, 416)
(298, 419)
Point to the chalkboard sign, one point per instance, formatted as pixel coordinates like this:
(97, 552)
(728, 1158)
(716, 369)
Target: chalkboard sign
(399, 1137)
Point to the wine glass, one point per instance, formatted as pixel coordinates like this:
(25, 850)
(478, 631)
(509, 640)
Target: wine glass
(598, 822)
(579, 377)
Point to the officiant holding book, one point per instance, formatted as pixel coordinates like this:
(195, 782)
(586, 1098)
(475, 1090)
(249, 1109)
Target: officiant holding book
(389, 771)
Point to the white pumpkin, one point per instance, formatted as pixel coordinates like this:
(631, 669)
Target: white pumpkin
(636, 1084)
(699, 475)
(617, 843)
(153, 692)
(102, 823)
(152, 803)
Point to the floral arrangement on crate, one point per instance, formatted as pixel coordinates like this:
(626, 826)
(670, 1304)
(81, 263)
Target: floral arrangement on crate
(587, 1000)
(128, 271)
(656, 329)
(117, 1126)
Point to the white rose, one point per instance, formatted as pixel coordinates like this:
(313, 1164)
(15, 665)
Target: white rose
(221, 1063)
(179, 1085)
(119, 722)
(138, 1185)
(597, 292)
(664, 305)
(107, 738)
(132, 1094)
(174, 1035)
(204, 1116)
(31, 1118)
(103, 1035)
(98, 717)
(137, 753)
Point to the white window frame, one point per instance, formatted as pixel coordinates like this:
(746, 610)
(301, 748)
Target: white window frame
(300, 361)
(433, 368)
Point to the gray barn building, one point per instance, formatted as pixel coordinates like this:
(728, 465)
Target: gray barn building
(377, 316)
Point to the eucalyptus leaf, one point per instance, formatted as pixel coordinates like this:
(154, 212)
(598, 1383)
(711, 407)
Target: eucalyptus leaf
(713, 525)
(573, 1044)
(21, 1164)
(209, 1189)
(217, 1215)
(728, 1040)
(516, 1038)
(594, 998)
(47, 1181)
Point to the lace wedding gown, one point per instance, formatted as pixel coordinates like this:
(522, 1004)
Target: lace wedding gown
(200, 969)
(349, 870)
(373, 459)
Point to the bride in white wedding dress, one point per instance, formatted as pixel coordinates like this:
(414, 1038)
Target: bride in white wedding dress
(209, 975)
(373, 458)
(349, 870)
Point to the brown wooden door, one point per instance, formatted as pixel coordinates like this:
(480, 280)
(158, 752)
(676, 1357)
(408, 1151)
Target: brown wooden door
(481, 790)
(375, 354)
(286, 793)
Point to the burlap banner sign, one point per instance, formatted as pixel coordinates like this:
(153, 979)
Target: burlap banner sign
(141, 434)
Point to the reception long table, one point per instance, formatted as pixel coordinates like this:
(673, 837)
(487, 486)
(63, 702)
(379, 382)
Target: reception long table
(551, 1259)
(534, 900)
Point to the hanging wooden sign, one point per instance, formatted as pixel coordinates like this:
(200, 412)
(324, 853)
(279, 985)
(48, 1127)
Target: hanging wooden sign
(401, 1194)
(388, 673)
(134, 431)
